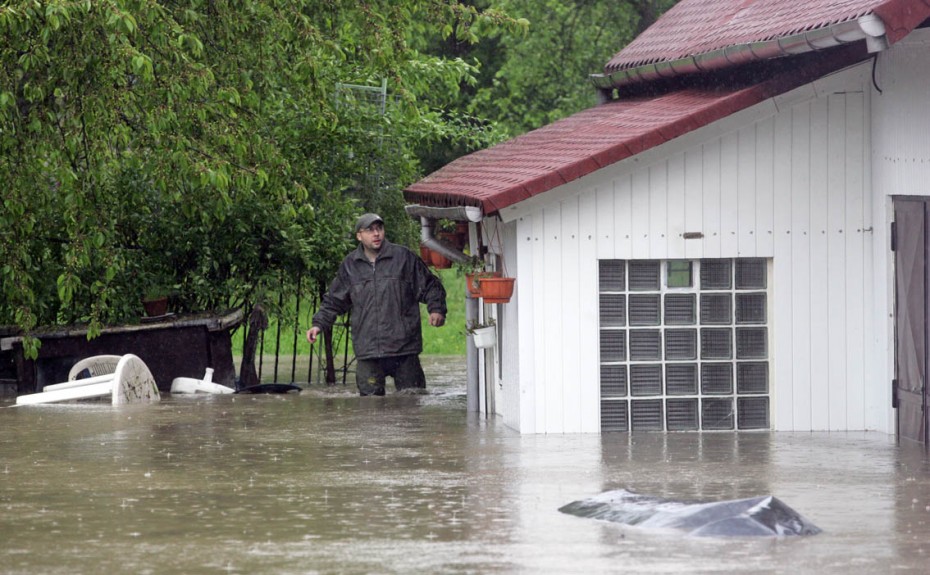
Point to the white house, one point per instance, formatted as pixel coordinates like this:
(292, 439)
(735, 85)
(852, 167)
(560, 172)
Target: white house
(711, 247)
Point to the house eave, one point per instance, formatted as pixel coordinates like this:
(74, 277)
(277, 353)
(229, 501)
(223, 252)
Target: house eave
(869, 27)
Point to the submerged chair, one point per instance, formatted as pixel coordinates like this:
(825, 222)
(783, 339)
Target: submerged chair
(129, 382)
(94, 366)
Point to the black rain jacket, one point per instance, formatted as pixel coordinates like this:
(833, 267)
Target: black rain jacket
(384, 298)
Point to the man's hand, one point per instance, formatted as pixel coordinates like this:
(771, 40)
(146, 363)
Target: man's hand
(437, 319)
(312, 334)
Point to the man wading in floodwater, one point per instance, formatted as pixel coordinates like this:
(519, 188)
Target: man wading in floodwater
(383, 284)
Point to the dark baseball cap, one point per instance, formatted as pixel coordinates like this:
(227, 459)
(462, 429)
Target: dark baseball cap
(366, 220)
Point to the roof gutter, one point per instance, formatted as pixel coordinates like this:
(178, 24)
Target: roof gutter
(428, 216)
(868, 27)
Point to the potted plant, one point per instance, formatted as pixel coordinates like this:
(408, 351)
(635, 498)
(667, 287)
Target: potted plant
(484, 334)
(440, 262)
(474, 269)
(451, 233)
(155, 303)
(496, 289)
(157, 288)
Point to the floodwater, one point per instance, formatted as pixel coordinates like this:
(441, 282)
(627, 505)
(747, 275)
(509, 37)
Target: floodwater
(327, 482)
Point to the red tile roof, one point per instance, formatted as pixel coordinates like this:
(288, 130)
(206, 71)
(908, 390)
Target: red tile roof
(701, 26)
(592, 139)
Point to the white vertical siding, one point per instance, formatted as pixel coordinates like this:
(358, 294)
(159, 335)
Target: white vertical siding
(642, 217)
(820, 262)
(676, 207)
(765, 187)
(623, 217)
(730, 195)
(711, 185)
(792, 186)
(553, 410)
(569, 310)
(507, 392)
(658, 210)
(745, 204)
(588, 372)
(836, 262)
(694, 201)
(800, 261)
(782, 320)
(858, 233)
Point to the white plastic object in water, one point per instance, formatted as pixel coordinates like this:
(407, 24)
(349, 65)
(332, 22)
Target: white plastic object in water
(205, 385)
(94, 366)
(131, 382)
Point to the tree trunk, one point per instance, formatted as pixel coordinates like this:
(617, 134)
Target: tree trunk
(258, 322)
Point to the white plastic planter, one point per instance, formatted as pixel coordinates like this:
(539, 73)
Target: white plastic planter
(484, 337)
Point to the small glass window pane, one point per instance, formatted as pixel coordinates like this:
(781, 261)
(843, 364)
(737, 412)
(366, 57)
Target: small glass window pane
(679, 274)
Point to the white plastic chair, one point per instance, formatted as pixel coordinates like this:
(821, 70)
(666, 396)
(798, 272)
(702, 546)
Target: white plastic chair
(95, 365)
(130, 382)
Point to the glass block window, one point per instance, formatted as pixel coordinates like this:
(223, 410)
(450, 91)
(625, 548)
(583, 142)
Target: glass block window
(644, 309)
(645, 380)
(613, 310)
(644, 275)
(681, 344)
(681, 379)
(750, 308)
(614, 381)
(684, 345)
(614, 415)
(682, 415)
(716, 309)
(612, 276)
(681, 309)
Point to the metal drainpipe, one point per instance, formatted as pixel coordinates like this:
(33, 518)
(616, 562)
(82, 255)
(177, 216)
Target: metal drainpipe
(428, 240)
(472, 357)
(471, 306)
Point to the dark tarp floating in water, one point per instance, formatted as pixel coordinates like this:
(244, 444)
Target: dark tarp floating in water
(754, 517)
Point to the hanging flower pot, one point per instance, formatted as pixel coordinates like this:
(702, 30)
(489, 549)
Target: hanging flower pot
(440, 262)
(473, 285)
(454, 239)
(496, 289)
(484, 337)
(426, 255)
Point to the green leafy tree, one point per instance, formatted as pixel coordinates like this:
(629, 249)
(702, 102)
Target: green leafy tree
(529, 79)
(197, 146)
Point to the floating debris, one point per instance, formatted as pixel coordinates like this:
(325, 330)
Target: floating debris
(764, 516)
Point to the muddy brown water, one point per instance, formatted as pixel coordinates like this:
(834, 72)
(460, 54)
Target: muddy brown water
(327, 482)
